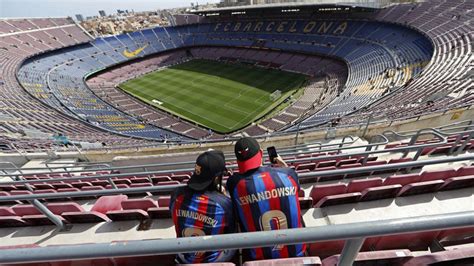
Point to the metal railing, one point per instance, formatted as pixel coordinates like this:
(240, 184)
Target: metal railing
(338, 148)
(365, 154)
(353, 233)
(302, 176)
(439, 133)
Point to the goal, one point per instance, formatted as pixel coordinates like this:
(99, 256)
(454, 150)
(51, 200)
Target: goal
(275, 95)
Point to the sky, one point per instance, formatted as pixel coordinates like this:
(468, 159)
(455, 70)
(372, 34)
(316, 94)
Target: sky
(63, 8)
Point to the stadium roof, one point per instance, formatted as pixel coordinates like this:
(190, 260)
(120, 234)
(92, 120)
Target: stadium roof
(366, 4)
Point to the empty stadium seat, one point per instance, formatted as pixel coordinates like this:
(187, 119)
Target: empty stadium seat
(320, 191)
(132, 209)
(383, 257)
(361, 184)
(382, 192)
(458, 256)
(420, 188)
(458, 182)
(289, 261)
(345, 198)
(437, 175)
(98, 211)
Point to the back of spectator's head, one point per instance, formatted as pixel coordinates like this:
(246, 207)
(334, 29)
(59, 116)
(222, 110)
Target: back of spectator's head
(248, 153)
(209, 166)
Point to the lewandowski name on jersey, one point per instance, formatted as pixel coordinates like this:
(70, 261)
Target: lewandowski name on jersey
(266, 195)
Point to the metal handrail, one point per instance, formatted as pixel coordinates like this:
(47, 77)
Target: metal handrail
(302, 176)
(353, 233)
(146, 173)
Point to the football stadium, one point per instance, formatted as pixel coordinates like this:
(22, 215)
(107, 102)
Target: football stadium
(273, 133)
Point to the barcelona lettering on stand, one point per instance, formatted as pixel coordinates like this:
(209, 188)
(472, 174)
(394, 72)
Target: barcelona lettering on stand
(319, 27)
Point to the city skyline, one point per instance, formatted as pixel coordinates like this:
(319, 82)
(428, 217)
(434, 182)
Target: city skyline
(61, 8)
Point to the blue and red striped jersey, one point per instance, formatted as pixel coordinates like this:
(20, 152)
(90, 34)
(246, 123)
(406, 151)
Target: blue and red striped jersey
(267, 199)
(198, 214)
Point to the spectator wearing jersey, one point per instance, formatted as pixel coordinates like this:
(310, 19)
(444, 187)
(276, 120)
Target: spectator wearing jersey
(201, 208)
(265, 198)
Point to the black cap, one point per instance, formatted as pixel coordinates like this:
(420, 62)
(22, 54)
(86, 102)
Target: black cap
(208, 165)
(247, 151)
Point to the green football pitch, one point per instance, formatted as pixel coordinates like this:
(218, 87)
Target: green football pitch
(222, 96)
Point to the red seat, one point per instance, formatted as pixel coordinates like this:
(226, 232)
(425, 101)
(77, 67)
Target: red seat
(101, 183)
(6, 211)
(133, 209)
(23, 187)
(320, 191)
(7, 187)
(156, 179)
(305, 202)
(31, 215)
(345, 198)
(401, 179)
(346, 161)
(400, 160)
(81, 184)
(444, 149)
(328, 163)
(437, 175)
(44, 186)
(20, 192)
(327, 178)
(12, 221)
(47, 191)
(420, 188)
(89, 188)
(60, 208)
(325, 248)
(143, 194)
(382, 192)
(40, 219)
(122, 181)
(9, 203)
(304, 166)
(117, 185)
(211, 264)
(375, 163)
(456, 236)
(457, 256)
(465, 170)
(383, 257)
(140, 180)
(180, 178)
(164, 201)
(60, 190)
(25, 209)
(362, 184)
(354, 165)
(288, 261)
(458, 182)
(159, 213)
(168, 183)
(165, 183)
(411, 241)
(98, 211)
(61, 185)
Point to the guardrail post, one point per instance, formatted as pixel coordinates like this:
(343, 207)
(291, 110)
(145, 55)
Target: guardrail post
(367, 126)
(350, 251)
(53, 218)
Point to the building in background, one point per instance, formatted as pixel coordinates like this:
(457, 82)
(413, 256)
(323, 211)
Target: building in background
(79, 18)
